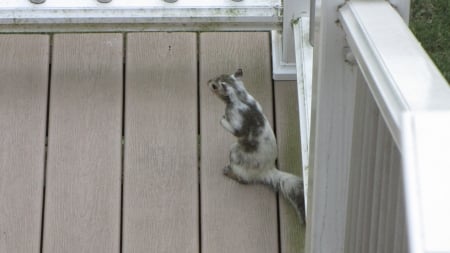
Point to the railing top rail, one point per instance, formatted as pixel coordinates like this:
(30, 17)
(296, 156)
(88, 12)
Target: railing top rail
(399, 73)
(139, 15)
(414, 99)
(134, 3)
(426, 148)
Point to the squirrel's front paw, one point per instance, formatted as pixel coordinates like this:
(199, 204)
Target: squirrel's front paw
(224, 122)
(227, 171)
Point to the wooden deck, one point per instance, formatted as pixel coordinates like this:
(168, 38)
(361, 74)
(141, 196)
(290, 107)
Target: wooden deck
(112, 143)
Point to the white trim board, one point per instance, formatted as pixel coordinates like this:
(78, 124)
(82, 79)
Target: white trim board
(139, 15)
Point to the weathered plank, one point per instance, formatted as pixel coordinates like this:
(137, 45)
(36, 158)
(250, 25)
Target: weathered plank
(235, 218)
(23, 109)
(82, 201)
(292, 234)
(161, 161)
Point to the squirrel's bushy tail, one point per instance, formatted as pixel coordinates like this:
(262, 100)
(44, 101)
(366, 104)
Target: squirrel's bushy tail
(290, 186)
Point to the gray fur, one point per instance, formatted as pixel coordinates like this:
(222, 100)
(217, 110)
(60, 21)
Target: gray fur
(252, 157)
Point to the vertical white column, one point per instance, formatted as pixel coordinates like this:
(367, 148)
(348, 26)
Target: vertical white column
(331, 135)
(292, 10)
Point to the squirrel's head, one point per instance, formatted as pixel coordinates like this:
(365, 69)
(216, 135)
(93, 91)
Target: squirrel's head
(219, 87)
(223, 84)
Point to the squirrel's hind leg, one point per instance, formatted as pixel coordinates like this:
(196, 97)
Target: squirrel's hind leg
(239, 168)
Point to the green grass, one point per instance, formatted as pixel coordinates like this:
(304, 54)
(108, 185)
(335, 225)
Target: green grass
(430, 22)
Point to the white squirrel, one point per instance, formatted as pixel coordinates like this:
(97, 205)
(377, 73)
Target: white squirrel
(253, 156)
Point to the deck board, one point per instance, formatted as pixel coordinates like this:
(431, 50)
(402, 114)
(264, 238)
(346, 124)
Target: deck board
(23, 108)
(151, 88)
(235, 218)
(82, 212)
(161, 161)
(292, 234)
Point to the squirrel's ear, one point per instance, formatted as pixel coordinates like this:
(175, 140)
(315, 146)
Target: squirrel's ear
(238, 73)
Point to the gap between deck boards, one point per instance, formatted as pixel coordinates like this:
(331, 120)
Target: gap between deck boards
(135, 149)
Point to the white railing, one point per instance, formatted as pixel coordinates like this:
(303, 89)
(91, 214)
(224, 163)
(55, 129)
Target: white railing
(25, 16)
(379, 149)
(139, 15)
(375, 111)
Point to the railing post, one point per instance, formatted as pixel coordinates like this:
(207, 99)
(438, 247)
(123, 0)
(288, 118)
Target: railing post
(292, 10)
(333, 98)
(283, 48)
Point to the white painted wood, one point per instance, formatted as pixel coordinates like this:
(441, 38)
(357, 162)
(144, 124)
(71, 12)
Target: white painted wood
(426, 171)
(139, 15)
(374, 202)
(281, 71)
(284, 47)
(292, 11)
(383, 143)
(371, 116)
(391, 200)
(403, 79)
(362, 169)
(404, 233)
(292, 234)
(400, 74)
(23, 107)
(315, 76)
(123, 4)
(304, 59)
(331, 136)
(395, 200)
(400, 226)
(355, 169)
(384, 193)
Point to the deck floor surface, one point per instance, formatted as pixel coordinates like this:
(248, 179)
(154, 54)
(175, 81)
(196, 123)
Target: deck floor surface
(111, 142)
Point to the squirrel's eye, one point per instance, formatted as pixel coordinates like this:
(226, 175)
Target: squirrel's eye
(214, 86)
